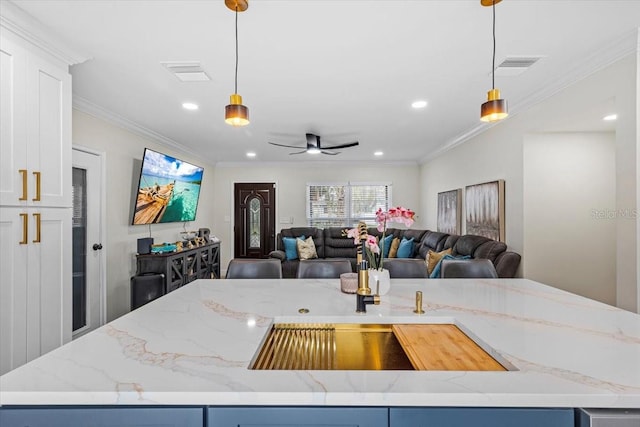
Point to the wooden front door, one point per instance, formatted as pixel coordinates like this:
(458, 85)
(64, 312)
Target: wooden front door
(254, 219)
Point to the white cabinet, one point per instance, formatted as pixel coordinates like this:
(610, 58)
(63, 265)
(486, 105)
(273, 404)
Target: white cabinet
(35, 202)
(35, 128)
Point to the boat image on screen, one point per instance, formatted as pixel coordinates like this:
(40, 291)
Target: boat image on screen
(168, 190)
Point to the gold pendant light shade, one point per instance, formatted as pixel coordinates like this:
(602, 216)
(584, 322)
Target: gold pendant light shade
(236, 114)
(495, 108)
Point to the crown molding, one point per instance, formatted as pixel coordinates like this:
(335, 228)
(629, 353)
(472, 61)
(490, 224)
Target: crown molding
(33, 31)
(618, 49)
(303, 164)
(85, 106)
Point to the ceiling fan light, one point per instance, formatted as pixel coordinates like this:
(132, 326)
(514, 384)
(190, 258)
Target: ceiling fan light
(495, 108)
(313, 150)
(236, 114)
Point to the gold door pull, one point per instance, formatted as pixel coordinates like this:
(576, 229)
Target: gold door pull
(25, 228)
(23, 172)
(37, 217)
(37, 198)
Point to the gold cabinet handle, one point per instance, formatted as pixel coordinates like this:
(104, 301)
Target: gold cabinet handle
(37, 198)
(25, 228)
(23, 172)
(36, 216)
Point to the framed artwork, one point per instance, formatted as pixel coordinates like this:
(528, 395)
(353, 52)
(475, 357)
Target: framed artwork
(484, 209)
(450, 211)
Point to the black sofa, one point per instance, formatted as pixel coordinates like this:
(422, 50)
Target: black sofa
(331, 243)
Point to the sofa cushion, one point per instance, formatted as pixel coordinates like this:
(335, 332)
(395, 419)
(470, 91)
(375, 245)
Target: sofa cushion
(291, 247)
(395, 244)
(386, 245)
(467, 244)
(432, 240)
(306, 248)
(433, 258)
(316, 233)
(405, 249)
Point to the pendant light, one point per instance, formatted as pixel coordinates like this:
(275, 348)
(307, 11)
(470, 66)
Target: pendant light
(495, 108)
(235, 113)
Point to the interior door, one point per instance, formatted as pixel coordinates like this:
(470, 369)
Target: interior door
(254, 219)
(88, 252)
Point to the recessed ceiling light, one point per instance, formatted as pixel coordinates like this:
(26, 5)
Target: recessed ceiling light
(378, 153)
(419, 104)
(190, 106)
(251, 154)
(610, 117)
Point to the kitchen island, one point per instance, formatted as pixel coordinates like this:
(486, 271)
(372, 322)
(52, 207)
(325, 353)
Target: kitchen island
(194, 346)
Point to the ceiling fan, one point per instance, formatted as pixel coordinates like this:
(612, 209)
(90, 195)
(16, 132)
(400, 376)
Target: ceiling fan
(314, 146)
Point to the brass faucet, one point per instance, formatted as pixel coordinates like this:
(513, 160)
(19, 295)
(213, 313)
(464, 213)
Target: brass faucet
(363, 294)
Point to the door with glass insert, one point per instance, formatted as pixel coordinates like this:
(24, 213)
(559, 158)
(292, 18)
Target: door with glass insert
(254, 219)
(87, 243)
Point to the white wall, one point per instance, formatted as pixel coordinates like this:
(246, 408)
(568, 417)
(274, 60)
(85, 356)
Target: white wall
(291, 190)
(569, 230)
(498, 154)
(124, 152)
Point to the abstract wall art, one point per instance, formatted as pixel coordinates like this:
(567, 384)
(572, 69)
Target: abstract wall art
(450, 211)
(484, 209)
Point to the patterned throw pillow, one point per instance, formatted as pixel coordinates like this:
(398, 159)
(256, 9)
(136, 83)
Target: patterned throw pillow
(434, 257)
(306, 248)
(395, 244)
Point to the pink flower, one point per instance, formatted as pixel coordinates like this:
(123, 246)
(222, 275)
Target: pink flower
(372, 244)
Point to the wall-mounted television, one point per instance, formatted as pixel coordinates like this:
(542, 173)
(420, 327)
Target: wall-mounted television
(168, 190)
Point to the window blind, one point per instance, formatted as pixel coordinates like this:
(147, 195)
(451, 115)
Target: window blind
(345, 204)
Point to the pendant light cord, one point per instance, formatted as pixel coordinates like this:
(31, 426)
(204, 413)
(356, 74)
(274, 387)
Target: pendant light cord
(236, 75)
(493, 60)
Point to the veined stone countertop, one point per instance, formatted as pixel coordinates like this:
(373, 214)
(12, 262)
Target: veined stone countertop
(193, 346)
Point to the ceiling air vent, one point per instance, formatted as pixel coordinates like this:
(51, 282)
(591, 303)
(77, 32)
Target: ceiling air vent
(516, 65)
(187, 71)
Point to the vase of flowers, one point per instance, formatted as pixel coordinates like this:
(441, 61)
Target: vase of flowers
(374, 249)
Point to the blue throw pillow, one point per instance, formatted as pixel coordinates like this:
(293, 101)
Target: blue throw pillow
(435, 274)
(405, 250)
(290, 247)
(386, 242)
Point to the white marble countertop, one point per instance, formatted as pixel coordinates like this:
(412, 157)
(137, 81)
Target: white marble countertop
(193, 346)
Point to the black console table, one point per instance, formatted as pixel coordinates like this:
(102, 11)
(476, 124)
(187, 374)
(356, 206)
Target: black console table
(180, 268)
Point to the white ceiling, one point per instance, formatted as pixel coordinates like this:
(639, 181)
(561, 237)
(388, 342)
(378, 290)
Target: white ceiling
(346, 70)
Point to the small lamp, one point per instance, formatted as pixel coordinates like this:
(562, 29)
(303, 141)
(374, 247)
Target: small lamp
(495, 108)
(235, 113)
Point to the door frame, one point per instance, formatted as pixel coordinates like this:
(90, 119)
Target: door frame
(232, 214)
(102, 156)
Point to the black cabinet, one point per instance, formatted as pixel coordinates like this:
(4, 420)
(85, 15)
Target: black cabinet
(180, 268)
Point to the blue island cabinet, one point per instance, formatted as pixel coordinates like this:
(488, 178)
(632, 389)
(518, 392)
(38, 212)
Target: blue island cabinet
(480, 417)
(297, 416)
(101, 417)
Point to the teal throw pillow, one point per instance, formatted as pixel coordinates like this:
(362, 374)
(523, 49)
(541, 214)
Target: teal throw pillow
(290, 247)
(405, 250)
(435, 274)
(386, 242)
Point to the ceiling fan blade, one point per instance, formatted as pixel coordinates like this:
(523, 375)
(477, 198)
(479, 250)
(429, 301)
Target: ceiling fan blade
(283, 145)
(329, 153)
(298, 152)
(347, 145)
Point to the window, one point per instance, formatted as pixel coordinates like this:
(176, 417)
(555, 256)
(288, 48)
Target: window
(345, 204)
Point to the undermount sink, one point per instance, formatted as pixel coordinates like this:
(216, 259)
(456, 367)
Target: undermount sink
(353, 346)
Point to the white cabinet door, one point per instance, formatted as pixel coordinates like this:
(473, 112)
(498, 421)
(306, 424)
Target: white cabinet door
(35, 284)
(48, 134)
(13, 288)
(13, 140)
(35, 129)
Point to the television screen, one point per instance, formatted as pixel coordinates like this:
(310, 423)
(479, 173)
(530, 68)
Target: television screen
(168, 190)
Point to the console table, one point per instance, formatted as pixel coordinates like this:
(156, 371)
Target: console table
(180, 268)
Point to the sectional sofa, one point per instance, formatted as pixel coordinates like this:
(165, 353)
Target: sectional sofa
(331, 243)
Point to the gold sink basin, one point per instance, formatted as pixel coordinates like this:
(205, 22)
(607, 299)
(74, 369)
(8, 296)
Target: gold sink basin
(353, 346)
